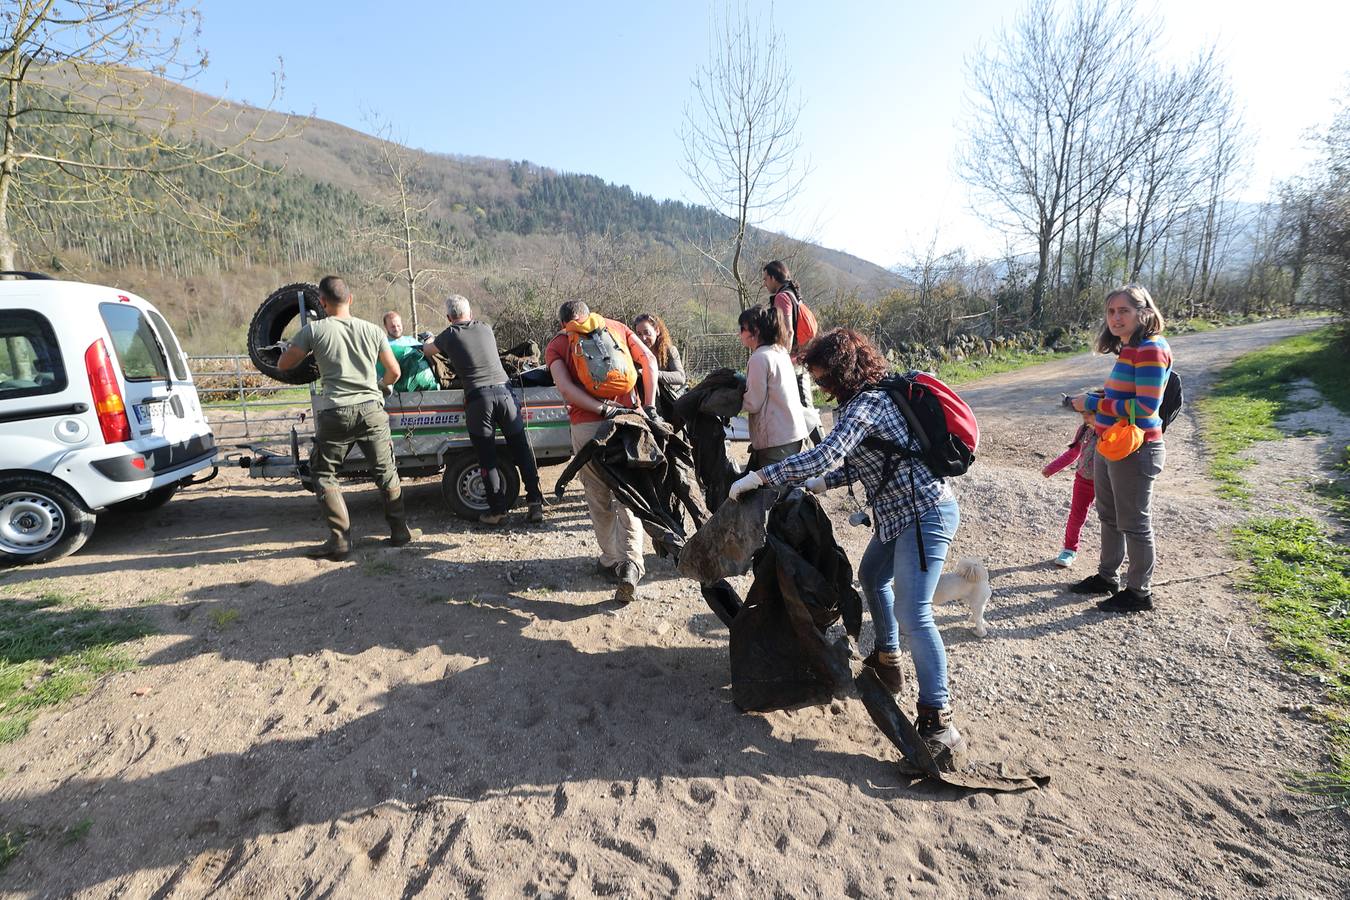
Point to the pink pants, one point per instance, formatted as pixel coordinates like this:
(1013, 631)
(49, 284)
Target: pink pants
(1083, 491)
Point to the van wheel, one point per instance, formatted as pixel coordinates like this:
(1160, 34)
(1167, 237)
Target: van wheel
(40, 520)
(464, 491)
(150, 500)
(270, 322)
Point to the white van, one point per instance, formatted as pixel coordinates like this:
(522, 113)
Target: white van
(97, 412)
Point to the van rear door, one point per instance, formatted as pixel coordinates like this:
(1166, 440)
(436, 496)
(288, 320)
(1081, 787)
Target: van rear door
(160, 398)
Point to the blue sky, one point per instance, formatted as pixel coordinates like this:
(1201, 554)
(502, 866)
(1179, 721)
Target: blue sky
(601, 87)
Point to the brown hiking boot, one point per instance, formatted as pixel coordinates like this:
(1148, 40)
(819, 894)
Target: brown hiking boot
(628, 575)
(491, 518)
(892, 678)
(945, 744)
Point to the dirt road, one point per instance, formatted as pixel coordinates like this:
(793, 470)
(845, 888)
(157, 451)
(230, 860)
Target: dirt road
(472, 716)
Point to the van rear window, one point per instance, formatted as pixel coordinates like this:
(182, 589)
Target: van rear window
(137, 348)
(30, 359)
(170, 344)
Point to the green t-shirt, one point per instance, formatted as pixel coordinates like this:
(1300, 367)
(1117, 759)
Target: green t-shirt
(346, 350)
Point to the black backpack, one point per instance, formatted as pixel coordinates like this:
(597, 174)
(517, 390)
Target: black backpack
(941, 423)
(1172, 399)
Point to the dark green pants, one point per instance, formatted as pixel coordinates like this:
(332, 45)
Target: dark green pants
(367, 426)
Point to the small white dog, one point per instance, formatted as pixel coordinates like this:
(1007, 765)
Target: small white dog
(968, 580)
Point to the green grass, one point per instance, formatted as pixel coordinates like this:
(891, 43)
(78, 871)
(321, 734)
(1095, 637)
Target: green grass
(50, 653)
(77, 832)
(223, 618)
(1254, 392)
(1301, 578)
(1300, 575)
(10, 844)
(975, 367)
(378, 568)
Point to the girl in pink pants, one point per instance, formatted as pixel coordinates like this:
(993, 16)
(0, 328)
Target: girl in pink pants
(1081, 450)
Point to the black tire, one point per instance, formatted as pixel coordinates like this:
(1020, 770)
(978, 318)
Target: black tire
(463, 489)
(149, 500)
(40, 520)
(269, 325)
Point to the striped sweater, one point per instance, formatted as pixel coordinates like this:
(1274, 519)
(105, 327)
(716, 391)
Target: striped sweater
(1135, 385)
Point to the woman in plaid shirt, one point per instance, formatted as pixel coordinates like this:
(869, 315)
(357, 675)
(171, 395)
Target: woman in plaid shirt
(907, 501)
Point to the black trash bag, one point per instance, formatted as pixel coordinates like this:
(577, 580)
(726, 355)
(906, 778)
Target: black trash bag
(900, 731)
(781, 655)
(644, 464)
(270, 321)
(703, 412)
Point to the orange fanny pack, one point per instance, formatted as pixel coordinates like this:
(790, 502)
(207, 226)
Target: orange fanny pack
(1120, 440)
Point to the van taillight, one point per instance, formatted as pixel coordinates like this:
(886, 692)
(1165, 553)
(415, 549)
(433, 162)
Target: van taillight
(112, 412)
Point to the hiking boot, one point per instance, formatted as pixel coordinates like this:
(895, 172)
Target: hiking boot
(1127, 601)
(492, 518)
(536, 512)
(945, 744)
(1066, 558)
(336, 548)
(1095, 584)
(892, 678)
(627, 573)
(607, 572)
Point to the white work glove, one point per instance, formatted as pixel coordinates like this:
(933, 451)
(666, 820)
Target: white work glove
(817, 485)
(745, 485)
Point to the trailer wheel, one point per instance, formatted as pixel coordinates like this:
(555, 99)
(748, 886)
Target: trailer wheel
(463, 488)
(269, 325)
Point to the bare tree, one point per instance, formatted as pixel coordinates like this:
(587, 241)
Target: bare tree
(401, 224)
(89, 123)
(1050, 111)
(739, 136)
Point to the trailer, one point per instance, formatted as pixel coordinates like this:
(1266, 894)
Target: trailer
(430, 438)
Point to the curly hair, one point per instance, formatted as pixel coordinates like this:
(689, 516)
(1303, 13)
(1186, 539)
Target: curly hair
(661, 350)
(1151, 320)
(846, 362)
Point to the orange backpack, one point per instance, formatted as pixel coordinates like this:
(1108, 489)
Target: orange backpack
(804, 325)
(600, 362)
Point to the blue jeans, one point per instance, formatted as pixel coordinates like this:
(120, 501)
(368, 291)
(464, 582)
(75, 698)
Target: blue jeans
(888, 563)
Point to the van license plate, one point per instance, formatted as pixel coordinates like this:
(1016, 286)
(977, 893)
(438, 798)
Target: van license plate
(150, 413)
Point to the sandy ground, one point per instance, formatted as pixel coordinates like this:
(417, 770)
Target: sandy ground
(472, 716)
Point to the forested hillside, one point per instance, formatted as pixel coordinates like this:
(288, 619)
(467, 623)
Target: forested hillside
(513, 236)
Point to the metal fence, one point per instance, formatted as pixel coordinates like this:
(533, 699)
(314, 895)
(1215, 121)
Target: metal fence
(244, 406)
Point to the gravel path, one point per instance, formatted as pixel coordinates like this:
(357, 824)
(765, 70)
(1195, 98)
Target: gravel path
(472, 716)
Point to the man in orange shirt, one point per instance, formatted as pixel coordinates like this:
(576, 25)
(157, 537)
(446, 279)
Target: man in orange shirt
(588, 384)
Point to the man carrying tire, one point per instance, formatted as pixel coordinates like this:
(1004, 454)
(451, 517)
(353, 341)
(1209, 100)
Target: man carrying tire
(489, 404)
(592, 363)
(349, 411)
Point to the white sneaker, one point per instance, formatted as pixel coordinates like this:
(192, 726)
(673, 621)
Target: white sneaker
(1065, 558)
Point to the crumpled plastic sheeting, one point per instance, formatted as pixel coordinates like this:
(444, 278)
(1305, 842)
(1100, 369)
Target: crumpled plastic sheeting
(727, 543)
(897, 727)
(703, 412)
(781, 655)
(646, 465)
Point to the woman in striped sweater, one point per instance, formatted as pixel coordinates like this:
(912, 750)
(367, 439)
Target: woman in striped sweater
(1132, 331)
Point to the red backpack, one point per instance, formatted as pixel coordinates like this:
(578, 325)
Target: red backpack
(804, 324)
(942, 423)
